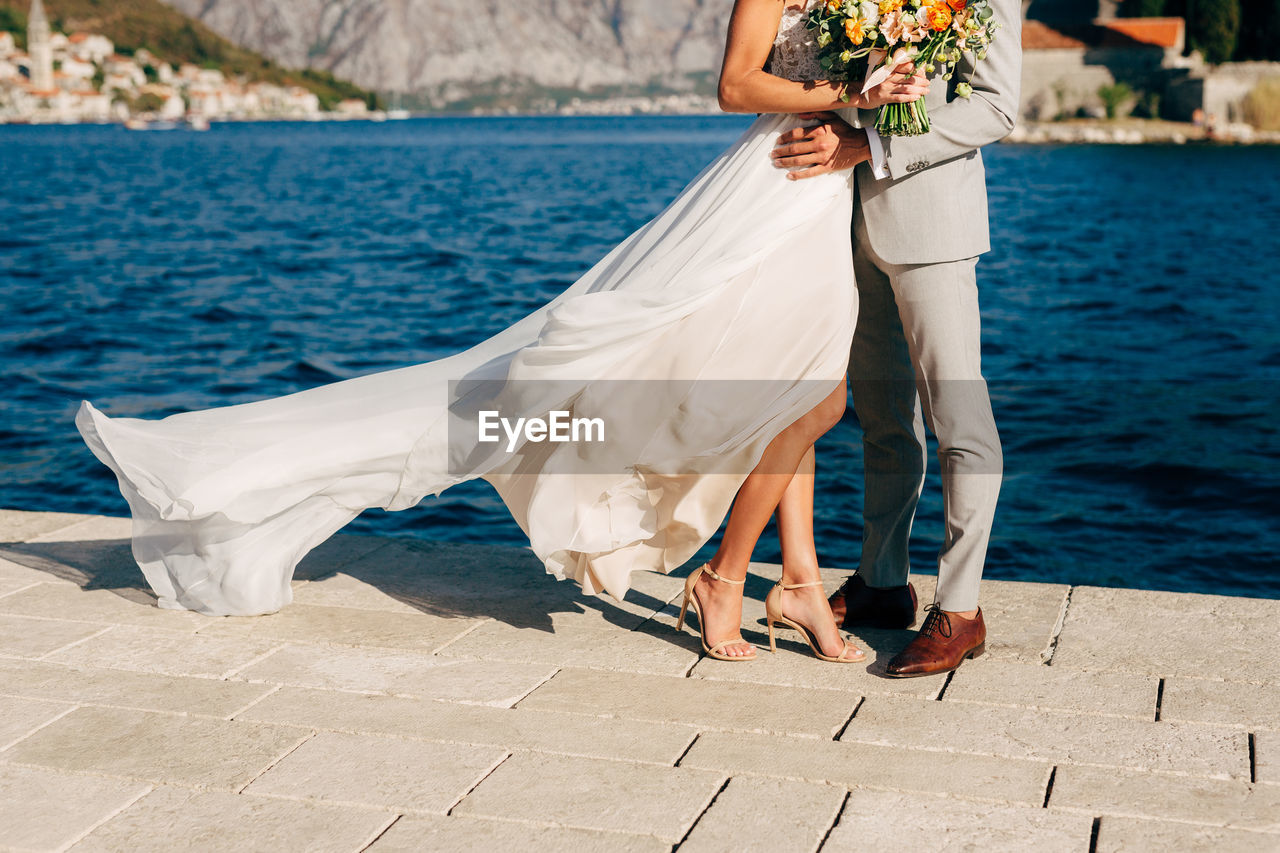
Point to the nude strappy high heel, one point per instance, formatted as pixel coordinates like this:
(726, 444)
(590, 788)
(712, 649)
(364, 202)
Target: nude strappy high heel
(690, 598)
(773, 613)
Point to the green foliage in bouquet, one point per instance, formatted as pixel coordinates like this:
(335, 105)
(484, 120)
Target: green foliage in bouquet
(857, 38)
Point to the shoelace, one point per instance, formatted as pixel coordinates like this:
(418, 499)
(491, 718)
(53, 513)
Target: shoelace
(936, 623)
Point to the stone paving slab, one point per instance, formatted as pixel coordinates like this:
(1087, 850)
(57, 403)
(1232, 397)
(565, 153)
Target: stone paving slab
(20, 717)
(1212, 802)
(18, 526)
(200, 752)
(1052, 736)
(12, 571)
(857, 765)
(519, 729)
(1127, 835)
(46, 810)
(141, 691)
(342, 590)
(163, 652)
(1170, 634)
(891, 822)
(462, 834)
(10, 585)
(338, 552)
(1050, 688)
(399, 775)
(411, 679)
(24, 637)
(486, 682)
(103, 606)
(92, 528)
(615, 639)
(171, 819)
(766, 815)
(1267, 758)
(587, 793)
(686, 701)
(1252, 706)
(341, 626)
(794, 666)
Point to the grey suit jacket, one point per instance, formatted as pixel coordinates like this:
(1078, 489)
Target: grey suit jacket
(933, 206)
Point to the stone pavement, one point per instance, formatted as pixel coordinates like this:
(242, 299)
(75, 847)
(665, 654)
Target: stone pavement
(422, 696)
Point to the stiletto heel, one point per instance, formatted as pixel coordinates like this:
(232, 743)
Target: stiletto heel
(773, 613)
(690, 597)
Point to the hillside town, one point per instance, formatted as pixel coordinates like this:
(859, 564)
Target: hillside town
(82, 77)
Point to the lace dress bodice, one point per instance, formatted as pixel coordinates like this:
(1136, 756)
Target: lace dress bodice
(795, 49)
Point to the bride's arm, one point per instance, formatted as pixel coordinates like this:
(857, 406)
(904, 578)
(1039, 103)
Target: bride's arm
(745, 87)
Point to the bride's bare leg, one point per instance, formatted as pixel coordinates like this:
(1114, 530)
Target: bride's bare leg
(752, 509)
(807, 605)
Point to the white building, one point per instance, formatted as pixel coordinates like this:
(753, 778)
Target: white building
(90, 47)
(40, 48)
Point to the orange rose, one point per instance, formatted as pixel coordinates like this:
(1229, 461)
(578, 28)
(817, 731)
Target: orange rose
(939, 17)
(957, 5)
(855, 29)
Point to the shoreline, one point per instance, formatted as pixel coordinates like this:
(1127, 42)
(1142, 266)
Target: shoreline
(1068, 132)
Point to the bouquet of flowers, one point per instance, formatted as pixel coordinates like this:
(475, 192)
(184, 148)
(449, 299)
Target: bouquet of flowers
(867, 39)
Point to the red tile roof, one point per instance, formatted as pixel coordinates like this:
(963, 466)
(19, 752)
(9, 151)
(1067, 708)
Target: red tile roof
(1161, 32)
(1120, 32)
(1040, 36)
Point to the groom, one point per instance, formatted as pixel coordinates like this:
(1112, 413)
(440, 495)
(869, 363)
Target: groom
(919, 225)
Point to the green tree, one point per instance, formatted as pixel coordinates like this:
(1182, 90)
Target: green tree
(148, 102)
(1113, 97)
(1259, 30)
(1143, 8)
(13, 21)
(1214, 28)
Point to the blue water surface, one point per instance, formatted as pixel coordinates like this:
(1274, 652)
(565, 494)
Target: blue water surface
(1130, 309)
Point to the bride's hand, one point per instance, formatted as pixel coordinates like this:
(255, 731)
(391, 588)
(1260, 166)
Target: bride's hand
(907, 83)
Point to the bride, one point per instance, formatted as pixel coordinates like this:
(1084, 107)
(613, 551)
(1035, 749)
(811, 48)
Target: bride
(711, 344)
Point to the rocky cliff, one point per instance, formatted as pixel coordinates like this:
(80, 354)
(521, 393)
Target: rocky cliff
(448, 52)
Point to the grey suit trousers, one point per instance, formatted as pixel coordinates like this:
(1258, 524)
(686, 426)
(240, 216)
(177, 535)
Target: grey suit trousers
(916, 358)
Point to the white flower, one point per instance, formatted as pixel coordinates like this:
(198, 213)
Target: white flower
(964, 90)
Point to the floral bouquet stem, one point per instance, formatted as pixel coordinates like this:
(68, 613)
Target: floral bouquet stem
(903, 119)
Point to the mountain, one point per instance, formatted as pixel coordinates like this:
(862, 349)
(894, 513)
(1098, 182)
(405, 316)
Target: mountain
(485, 52)
(175, 38)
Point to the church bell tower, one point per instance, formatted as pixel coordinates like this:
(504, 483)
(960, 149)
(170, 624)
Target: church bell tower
(38, 47)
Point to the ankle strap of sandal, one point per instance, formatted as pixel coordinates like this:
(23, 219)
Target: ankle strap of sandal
(710, 571)
(799, 585)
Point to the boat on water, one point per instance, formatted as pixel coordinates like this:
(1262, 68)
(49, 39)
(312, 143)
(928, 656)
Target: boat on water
(145, 124)
(190, 122)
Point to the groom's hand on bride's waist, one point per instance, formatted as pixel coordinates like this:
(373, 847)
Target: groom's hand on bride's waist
(831, 146)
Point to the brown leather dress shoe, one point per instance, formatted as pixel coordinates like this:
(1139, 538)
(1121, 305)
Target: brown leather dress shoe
(868, 607)
(944, 642)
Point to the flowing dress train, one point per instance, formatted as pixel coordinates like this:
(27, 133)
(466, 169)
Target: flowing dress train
(697, 340)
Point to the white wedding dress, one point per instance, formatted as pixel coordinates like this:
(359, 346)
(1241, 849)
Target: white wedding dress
(746, 276)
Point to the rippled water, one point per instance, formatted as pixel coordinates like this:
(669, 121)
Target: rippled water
(1130, 309)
